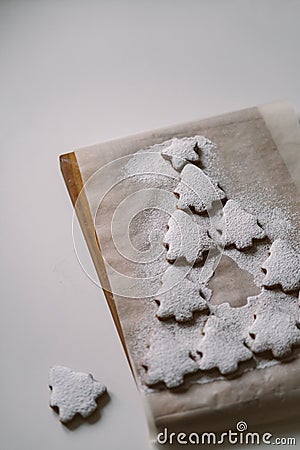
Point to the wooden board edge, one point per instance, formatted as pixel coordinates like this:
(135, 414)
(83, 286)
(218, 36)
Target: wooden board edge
(74, 183)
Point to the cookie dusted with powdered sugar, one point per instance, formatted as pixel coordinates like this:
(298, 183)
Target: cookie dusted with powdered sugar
(186, 239)
(170, 355)
(73, 392)
(196, 190)
(184, 150)
(223, 343)
(181, 299)
(282, 266)
(277, 317)
(240, 227)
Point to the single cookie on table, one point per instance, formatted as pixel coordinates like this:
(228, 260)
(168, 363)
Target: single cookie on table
(196, 190)
(73, 393)
(282, 266)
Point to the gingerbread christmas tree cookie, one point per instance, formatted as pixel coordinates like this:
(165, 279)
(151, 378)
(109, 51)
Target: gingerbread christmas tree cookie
(283, 266)
(181, 301)
(73, 393)
(169, 358)
(186, 239)
(196, 190)
(240, 227)
(223, 343)
(276, 325)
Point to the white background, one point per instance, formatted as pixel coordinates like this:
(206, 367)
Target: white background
(78, 72)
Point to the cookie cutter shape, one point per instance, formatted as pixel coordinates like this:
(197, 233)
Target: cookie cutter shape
(223, 344)
(181, 300)
(277, 316)
(197, 190)
(73, 392)
(169, 357)
(186, 239)
(240, 226)
(181, 151)
(282, 266)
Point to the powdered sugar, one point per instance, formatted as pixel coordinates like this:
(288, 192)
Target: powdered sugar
(179, 298)
(186, 239)
(182, 151)
(275, 326)
(223, 343)
(240, 227)
(196, 190)
(282, 266)
(253, 223)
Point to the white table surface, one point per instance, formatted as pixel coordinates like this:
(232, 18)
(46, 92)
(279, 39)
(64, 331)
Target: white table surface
(78, 72)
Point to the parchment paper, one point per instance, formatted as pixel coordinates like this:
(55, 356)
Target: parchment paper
(254, 144)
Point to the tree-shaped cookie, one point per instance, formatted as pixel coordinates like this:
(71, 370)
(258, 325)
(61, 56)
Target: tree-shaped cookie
(180, 299)
(240, 227)
(223, 344)
(196, 190)
(282, 266)
(169, 357)
(185, 238)
(277, 316)
(181, 151)
(73, 392)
